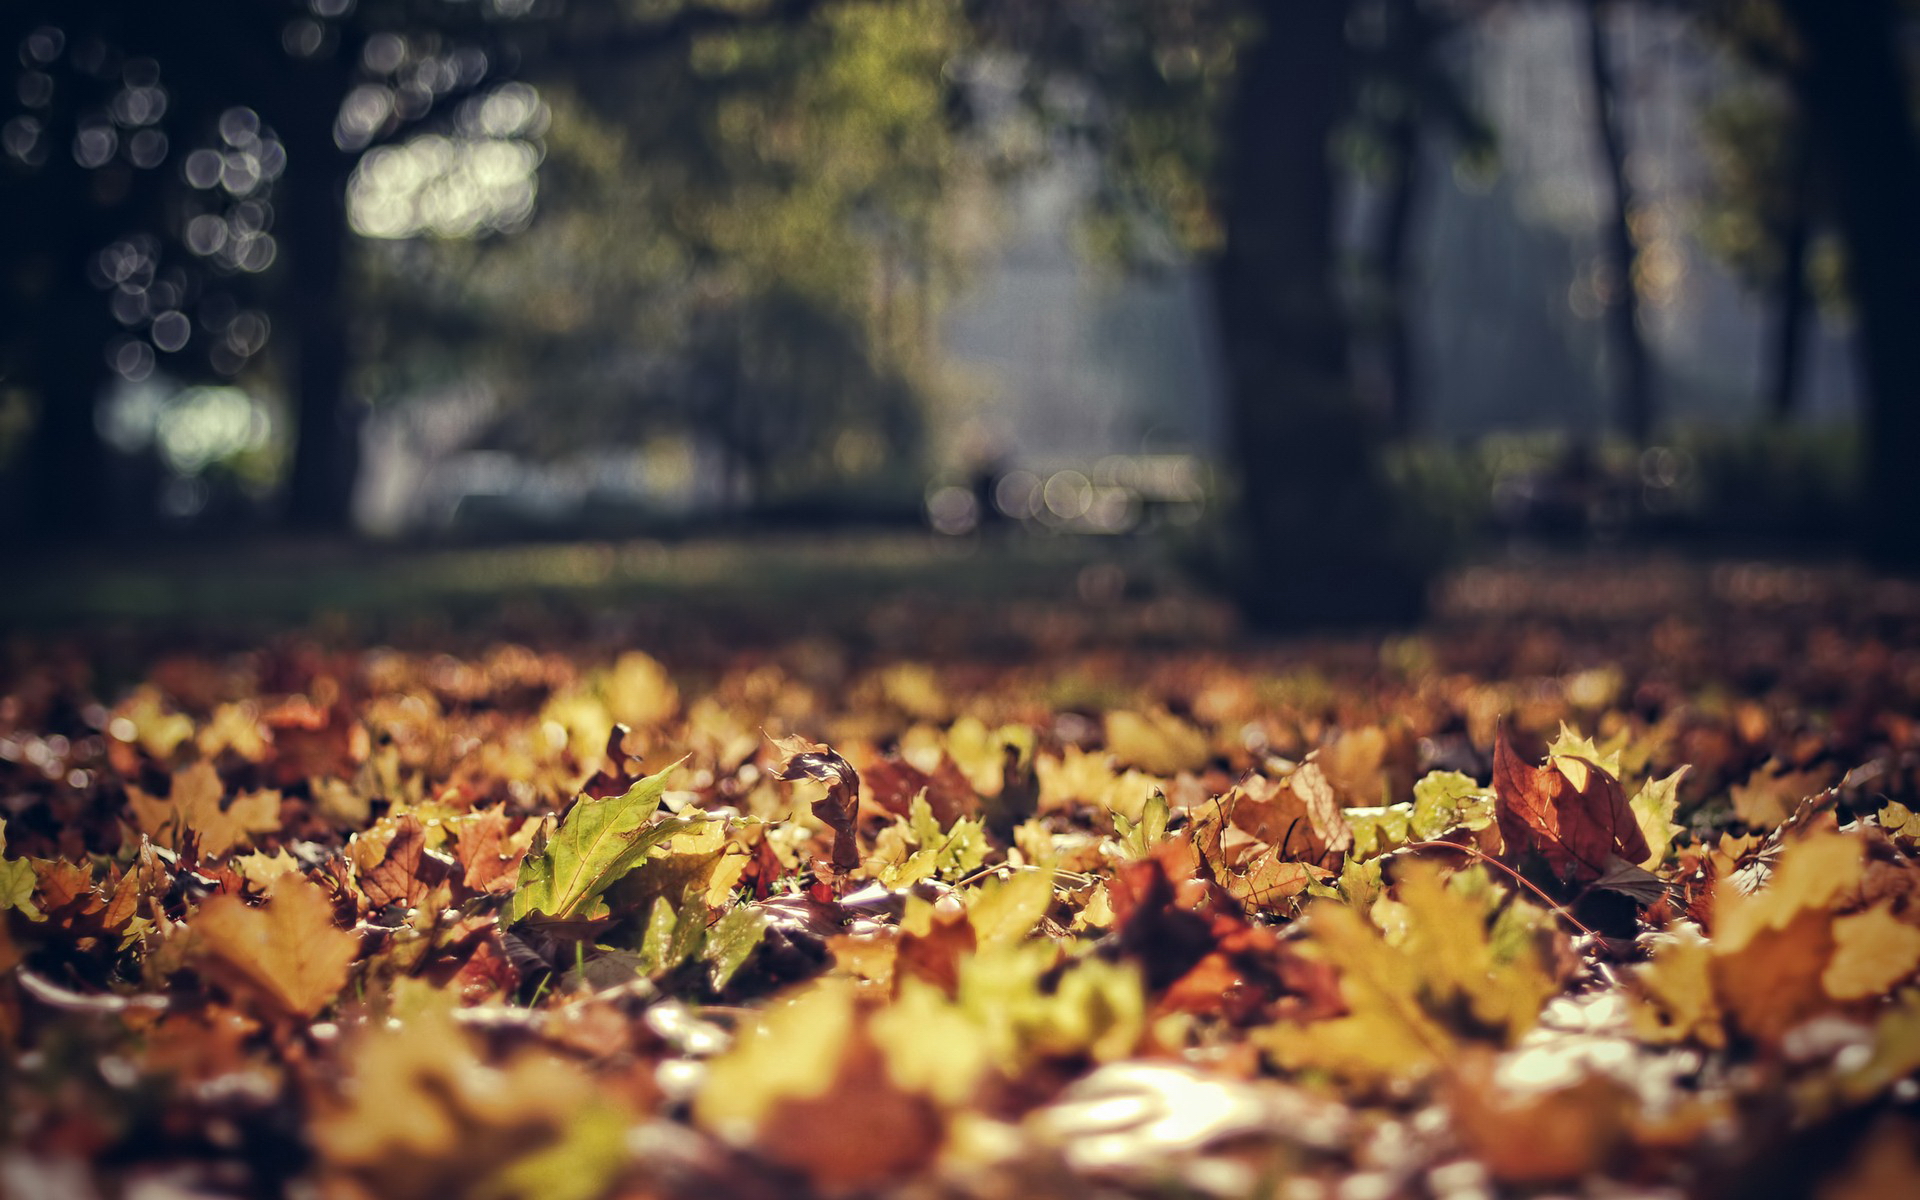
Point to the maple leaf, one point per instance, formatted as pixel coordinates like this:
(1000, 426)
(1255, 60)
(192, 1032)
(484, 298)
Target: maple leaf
(807, 1086)
(1577, 822)
(17, 881)
(391, 863)
(894, 783)
(485, 851)
(1653, 809)
(288, 951)
(939, 852)
(1406, 988)
(1156, 741)
(193, 808)
(423, 1113)
(599, 840)
(1873, 951)
(840, 807)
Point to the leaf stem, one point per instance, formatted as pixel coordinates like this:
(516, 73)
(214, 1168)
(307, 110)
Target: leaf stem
(1553, 906)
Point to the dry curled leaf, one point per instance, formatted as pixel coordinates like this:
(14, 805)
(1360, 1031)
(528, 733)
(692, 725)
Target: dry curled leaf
(840, 807)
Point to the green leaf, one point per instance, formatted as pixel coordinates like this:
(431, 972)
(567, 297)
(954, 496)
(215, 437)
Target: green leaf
(1140, 837)
(17, 882)
(598, 841)
(1653, 810)
(1006, 910)
(948, 852)
(1445, 799)
(730, 942)
(656, 945)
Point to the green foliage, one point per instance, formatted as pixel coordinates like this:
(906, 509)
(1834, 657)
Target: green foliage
(943, 853)
(598, 841)
(17, 882)
(1140, 837)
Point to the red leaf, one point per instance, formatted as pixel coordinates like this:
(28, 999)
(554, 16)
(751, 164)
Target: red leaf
(1577, 831)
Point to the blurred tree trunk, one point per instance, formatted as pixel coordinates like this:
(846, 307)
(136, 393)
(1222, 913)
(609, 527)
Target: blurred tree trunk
(314, 236)
(66, 460)
(1407, 58)
(1632, 371)
(1791, 307)
(1394, 266)
(1855, 96)
(1317, 523)
(68, 331)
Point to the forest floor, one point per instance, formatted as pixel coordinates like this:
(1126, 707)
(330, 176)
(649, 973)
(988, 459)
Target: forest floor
(888, 866)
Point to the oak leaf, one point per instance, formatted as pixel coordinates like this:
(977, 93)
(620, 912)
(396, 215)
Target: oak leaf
(288, 951)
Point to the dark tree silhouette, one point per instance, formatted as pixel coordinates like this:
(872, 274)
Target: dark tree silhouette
(1856, 98)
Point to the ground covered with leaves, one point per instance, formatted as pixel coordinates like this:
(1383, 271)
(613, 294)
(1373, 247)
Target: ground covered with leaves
(1603, 884)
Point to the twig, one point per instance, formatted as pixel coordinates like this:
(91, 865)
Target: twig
(53, 995)
(1553, 906)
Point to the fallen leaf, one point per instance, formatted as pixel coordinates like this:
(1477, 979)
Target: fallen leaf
(193, 806)
(1873, 951)
(1576, 829)
(596, 842)
(288, 951)
(840, 807)
(1156, 741)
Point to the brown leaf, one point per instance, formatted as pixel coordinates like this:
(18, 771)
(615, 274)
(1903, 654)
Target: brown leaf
(840, 808)
(193, 807)
(488, 856)
(894, 782)
(288, 952)
(1577, 830)
(401, 874)
(935, 955)
(619, 773)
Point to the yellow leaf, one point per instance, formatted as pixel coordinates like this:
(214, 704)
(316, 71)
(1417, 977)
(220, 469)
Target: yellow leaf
(1899, 820)
(288, 951)
(143, 719)
(1571, 754)
(791, 1051)
(1006, 910)
(423, 1115)
(1157, 742)
(638, 691)
(1674, 996)
(1447, 938)
(1403, 986)
(261, 870)
(193, 805)
(1873, 950)
(1812, 872)
(1653, 810)
(1387, 1034)
(915, 690)
(931, 1046)
(235, 727)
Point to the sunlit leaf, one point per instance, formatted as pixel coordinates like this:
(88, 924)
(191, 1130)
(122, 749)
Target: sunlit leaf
(597, 842)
